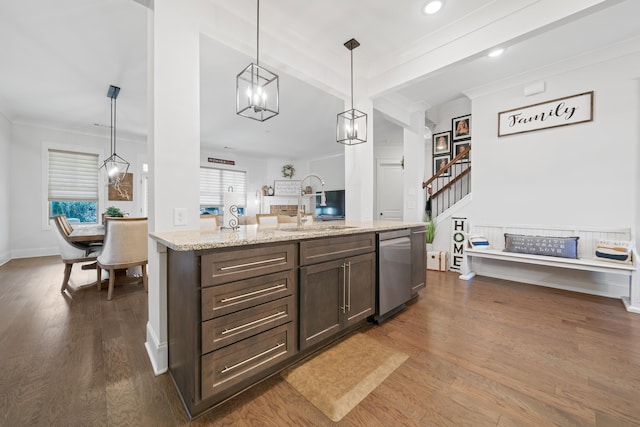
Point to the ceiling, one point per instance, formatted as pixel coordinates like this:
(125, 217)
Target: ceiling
(62, 56)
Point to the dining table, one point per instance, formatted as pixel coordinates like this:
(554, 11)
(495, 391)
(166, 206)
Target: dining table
(93, 233)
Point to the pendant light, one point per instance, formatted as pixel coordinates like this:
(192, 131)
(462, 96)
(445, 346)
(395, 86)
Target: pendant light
(115, 166)
(257, 88)
(352, 124)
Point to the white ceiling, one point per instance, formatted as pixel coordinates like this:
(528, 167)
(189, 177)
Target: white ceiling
(59, 59)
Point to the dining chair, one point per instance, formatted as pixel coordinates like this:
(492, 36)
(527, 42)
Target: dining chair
(209, 221)
(125, 246)
(267, 219)
(70, 252)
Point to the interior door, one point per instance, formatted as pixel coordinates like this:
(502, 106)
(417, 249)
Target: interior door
(389, 190)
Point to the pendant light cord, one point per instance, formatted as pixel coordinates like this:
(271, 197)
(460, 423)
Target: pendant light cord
(352, 79)
(113, 126)
(258, 34)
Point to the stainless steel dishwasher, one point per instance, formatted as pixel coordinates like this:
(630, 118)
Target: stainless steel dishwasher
(394, 273)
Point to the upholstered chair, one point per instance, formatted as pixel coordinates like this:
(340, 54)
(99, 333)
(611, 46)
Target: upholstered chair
(209, 222)
(125, 246)
(267, 219)
(71, 253)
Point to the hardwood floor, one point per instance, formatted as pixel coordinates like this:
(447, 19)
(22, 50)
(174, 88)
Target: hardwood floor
(482, 353)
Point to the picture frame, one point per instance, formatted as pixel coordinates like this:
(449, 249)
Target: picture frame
(458, 147)
(461, 127)
(437, 163)
(124, 191)
(286, 187)
(441, 143)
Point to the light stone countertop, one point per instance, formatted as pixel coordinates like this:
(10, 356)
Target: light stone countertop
(192, 240)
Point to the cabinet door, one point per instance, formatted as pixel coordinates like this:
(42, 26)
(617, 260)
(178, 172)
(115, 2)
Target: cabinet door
(360, 287)
(418, 259)
(321, 301)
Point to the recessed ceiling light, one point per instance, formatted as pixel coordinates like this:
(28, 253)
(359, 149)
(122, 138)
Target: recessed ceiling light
(432, 7)
(496, 52)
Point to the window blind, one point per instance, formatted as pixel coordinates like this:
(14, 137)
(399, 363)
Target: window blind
(215, 182)
(73, 176)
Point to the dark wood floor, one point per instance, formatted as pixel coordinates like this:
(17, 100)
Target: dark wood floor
(482, 353)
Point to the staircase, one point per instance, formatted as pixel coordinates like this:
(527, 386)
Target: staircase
(450, 184)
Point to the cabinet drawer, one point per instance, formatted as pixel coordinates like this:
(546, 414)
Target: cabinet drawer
(224, 299)
(228, 265)
(330, 248)
(246, 359)
(225, 330)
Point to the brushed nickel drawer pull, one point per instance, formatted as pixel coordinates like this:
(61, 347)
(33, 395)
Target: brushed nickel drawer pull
(246, 325)
(250, 294)
(237, 365)
(348, 305)
(249, 264)
(344, 287)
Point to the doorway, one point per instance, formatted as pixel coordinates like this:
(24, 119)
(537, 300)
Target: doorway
(389, 190)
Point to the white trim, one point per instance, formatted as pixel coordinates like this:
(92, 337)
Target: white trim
(158, 352)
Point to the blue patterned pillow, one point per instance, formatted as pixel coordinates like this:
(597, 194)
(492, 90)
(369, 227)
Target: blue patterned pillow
(564, 247)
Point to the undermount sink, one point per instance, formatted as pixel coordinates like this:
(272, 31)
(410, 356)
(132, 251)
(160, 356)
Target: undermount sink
(317, 227)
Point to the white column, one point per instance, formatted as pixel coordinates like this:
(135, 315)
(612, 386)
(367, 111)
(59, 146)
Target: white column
(359, 168)
(414, 148)
(174, 147)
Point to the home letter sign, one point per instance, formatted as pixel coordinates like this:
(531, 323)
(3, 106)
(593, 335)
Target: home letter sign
(458, 240)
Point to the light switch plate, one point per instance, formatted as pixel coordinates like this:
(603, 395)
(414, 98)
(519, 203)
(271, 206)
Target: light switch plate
(180, 216)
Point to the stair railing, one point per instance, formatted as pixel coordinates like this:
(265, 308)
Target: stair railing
(450, 183)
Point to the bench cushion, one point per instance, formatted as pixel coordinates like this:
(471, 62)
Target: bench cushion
(564, 247)
(614, 250)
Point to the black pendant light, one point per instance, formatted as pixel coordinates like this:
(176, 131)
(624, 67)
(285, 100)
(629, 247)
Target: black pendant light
(257, 88)
(352, 124)
(115, 166)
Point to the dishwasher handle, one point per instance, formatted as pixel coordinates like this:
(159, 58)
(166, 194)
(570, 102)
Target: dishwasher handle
(388, 235)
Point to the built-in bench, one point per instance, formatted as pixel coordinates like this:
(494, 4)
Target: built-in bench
(586, 261)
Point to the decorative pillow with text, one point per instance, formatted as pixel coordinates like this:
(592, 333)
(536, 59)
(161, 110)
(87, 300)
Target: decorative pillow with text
(614, 250)
(564, 247)
(478, 241)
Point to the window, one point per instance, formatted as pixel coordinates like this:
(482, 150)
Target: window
(73, 185)
(214, 183)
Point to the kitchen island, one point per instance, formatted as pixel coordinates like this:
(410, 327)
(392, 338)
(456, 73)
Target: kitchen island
(244, 304)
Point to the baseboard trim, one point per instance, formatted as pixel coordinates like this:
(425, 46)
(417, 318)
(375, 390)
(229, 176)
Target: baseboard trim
(32, 253)
(157, 352)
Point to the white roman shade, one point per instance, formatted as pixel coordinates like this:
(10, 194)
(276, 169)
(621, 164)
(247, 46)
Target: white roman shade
(73, 176)
(215, 182)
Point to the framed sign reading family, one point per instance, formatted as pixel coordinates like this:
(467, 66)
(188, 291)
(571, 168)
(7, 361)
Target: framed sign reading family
(557, 112)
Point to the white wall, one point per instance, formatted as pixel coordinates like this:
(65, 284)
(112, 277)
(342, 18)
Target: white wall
(5, 190)
(30, 235)
(582, 174)
(331, 169)
(577, 175)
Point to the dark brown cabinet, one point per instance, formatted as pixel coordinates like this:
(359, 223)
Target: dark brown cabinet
(418, 259)
(233, 319)
(338, 290)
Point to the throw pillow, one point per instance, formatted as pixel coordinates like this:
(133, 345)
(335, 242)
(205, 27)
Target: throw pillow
(614, 250)
(564, 247)
(478, 241)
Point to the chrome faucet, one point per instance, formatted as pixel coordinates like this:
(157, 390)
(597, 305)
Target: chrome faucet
(323, 198)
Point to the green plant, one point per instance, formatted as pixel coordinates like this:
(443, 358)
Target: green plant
(113, 211)
(430, 227)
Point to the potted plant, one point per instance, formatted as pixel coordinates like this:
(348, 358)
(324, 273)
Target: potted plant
(112, 211)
